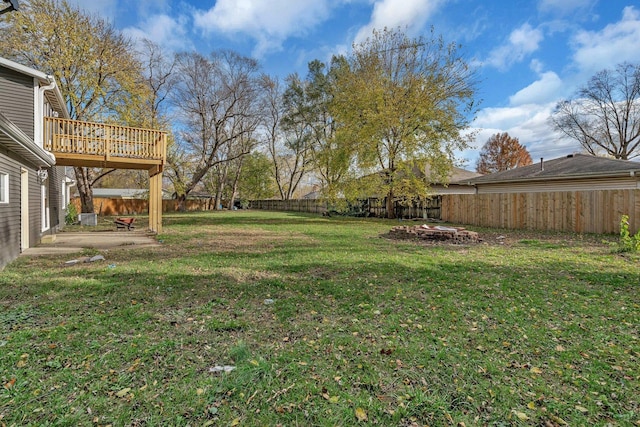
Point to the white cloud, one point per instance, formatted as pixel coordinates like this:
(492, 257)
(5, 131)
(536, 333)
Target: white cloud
(522, 42)
(615, 43)
(164, 30)
(529, 123)
(412, 14)
(106, 9)
(564, 7)
(269, 22)
(547, 88)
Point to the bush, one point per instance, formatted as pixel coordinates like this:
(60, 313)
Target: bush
(628, 242)
(72, 214)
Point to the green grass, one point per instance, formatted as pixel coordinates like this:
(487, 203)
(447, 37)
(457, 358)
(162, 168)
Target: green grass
(541, 330)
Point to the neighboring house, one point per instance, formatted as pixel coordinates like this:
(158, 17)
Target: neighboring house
(456, 184)
(575, 172)
(32, 189)
(578, 193)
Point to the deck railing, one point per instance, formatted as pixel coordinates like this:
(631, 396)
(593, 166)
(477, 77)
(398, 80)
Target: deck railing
(112, 142)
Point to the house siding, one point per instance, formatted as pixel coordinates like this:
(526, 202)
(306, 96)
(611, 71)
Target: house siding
(57, 214)
(17, 97)
(35, 209)
(618, 183)
(10, 216)
(10, 212)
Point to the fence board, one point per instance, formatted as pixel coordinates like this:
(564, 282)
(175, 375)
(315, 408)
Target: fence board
(597, 211)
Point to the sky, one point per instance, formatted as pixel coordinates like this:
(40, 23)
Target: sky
(528, 54)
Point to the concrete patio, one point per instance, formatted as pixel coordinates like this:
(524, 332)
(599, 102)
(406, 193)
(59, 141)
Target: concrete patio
(71, 242)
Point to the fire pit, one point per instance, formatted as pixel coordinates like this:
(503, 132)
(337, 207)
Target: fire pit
(436, 233)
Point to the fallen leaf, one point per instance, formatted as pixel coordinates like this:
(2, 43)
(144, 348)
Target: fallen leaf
(199, 391)
(9, 384)
(558, 420)
(334, 399)
(535, 370)
(559, 348)
(123, 392)
(235, 422)
(521, 415)
(531, 405)
(361, 415)
(582, 409)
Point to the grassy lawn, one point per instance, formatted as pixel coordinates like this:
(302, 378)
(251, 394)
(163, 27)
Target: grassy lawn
(326, 323)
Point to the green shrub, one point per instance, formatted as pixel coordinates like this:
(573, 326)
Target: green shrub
(72, 214)
(628, 242)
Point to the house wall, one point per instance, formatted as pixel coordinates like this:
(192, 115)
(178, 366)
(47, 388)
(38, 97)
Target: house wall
(10, 213)
(587, 184)
(595, 211)
(17, 99)
(57, 213)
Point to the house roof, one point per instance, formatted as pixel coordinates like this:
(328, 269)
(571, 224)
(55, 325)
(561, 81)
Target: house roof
(573, 166)
(13, 137)
(54, 96)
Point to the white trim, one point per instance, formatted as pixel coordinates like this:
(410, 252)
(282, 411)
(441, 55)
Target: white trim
(4, 188)
(44, 202)
(24, 209)
(37, 114)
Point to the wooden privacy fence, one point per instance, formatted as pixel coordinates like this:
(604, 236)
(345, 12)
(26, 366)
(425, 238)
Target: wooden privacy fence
(117, 206)
(318, 206)
(371, 207)
(596, 211)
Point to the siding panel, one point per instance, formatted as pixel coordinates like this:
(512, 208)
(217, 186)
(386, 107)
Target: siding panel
(16, 95)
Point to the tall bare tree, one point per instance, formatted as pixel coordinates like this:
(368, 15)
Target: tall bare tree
(217, 102)
(287, 142)
(94, 65)
(502, 152)
(604, 115)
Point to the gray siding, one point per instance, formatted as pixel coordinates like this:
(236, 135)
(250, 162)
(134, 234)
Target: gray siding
(35, 209)
(57, 214)
(10, 213)
(16, 99)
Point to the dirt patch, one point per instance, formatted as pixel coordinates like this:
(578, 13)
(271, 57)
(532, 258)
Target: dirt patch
(496, 237)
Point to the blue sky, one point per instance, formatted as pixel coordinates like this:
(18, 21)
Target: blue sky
(529, 53)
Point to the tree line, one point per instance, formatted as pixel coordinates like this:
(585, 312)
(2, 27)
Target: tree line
(385, 120)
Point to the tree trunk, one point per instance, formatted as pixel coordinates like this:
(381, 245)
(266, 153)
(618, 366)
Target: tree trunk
(391, 212)
(182, 202)
(222, 177)
(234, 189)
(85, 189)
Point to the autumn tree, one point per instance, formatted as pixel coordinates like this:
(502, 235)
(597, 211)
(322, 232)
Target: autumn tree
(152, 111)
(502, 152)
(217, 101)
(402, 103)
(94, 64)
(256, 180)
(307, 104)
(604, 115)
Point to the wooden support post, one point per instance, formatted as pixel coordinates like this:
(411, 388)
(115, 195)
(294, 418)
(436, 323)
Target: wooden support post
(155, 201)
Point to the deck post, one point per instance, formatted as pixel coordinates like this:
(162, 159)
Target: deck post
(155, 201)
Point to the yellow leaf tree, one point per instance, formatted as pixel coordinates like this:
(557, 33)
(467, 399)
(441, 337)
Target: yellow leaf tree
(402, 105)
(94, 64)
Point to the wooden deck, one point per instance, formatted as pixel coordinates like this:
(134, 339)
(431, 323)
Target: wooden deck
(99, 145)
(77, 143)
